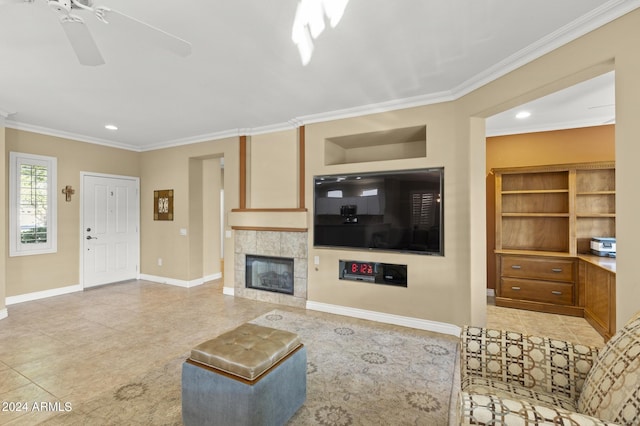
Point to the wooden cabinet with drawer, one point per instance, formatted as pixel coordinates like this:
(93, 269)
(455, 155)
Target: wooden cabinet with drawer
(599, 285)
(545, 284)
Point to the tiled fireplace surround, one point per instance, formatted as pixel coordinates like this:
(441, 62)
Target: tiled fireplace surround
(272, 243)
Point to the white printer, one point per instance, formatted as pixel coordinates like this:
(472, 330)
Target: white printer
(603, 246)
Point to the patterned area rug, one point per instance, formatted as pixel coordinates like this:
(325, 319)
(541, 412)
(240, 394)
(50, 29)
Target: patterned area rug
(362, 375)
(357, 374)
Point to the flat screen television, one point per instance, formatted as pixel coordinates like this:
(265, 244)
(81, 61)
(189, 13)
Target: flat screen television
(389, 211)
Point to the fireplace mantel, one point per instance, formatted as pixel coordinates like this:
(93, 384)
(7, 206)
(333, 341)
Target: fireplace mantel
(290, 220)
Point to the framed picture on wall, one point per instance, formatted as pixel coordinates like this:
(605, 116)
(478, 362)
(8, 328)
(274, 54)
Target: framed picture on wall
(163, 204)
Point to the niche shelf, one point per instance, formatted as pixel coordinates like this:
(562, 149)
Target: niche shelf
(394, 144)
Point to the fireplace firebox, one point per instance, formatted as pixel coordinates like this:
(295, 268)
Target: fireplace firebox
(269, 273)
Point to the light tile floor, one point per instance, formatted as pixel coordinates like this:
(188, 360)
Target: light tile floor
(77, 346)
(564, 327)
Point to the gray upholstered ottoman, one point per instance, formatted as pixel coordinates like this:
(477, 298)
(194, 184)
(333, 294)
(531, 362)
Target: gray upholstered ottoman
(252, 375)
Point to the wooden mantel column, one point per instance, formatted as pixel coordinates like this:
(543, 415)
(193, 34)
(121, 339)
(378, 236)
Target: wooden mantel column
(301, 170)
(243, 172)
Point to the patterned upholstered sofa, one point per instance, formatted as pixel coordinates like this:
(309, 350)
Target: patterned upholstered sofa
(508, 378)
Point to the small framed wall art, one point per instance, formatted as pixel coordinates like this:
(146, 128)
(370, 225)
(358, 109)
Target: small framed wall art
(163, 204)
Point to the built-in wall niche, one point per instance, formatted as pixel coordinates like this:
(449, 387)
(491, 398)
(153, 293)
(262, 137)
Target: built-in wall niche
(394, 144)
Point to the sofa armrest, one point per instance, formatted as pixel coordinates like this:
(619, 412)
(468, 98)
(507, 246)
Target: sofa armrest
(495, 411)
(539, 363)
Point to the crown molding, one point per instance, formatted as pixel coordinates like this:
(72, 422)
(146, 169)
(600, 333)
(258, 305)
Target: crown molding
(279, 127)
(386, 106)
(598, 17)
(208, 137)
(577, 124)
(68, 135)
(3, 117)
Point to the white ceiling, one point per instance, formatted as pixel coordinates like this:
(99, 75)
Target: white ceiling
(590, 103)
(245, 75)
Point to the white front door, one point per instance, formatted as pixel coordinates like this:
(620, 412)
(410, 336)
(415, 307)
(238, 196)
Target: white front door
(110, 238)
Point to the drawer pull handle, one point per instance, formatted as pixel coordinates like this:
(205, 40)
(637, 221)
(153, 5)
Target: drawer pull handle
(557, 293)
(556, 269)
(516, 267)
(515, 288)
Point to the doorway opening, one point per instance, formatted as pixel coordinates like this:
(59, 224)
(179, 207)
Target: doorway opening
(573, 125)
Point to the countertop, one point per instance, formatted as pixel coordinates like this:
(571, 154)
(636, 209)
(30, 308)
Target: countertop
(608, 263)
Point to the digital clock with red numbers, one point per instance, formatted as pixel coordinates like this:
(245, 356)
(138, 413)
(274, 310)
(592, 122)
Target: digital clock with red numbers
(360, 268)
(373, 272)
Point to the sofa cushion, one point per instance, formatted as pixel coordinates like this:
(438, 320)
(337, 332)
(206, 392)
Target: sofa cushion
(542, 364)
(611, 390)
(492, 410)
(485, 386)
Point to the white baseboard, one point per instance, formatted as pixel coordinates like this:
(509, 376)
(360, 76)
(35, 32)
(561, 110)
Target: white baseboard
(4, 313)
(422, 324)
(212, 277)
(228, 291)
(12, 300)
(181, 283)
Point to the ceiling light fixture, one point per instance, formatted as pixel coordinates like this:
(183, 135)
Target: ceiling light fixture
(111, 127)
(309, 23)
(523, 114)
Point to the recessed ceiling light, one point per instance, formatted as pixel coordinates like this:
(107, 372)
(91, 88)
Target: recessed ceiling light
(523, 114)
(111, 127)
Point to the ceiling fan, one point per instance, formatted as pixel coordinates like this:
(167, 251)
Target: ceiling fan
(82, 42)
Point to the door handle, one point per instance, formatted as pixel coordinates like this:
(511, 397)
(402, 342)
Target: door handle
(516, 267)
(557, 293)
(556, 269)
(515, 288)
(89, 237)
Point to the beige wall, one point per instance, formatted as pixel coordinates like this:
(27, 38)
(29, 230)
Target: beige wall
(612, 47)
(3, 217)
(627, 170)
(535, 149)
(435, 284)
(554, 147)
(211, 186)
(273, 171)
(183, 170)
(28, 274)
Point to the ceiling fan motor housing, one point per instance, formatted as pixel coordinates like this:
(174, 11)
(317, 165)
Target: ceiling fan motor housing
(62, 6)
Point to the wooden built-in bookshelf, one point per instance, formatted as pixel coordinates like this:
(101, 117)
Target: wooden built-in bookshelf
(545, 219)
(554, 208)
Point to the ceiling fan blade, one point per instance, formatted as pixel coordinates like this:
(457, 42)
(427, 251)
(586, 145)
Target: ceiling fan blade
(81, 40)
(142, 30)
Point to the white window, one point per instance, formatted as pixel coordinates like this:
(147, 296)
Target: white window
(370, 192)
(33, 206)
(336, 193)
